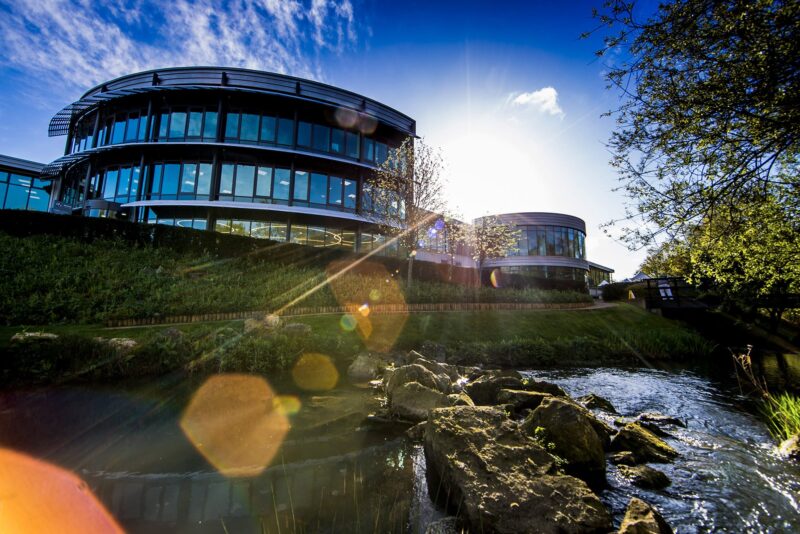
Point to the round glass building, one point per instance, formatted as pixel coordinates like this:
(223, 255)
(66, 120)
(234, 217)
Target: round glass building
(232, 150)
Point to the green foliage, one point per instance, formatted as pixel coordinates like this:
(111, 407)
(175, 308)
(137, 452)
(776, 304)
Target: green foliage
(491, 238)
(709, 111)
(671, 258)
(783, 414)
(615, 291)
(50, 279)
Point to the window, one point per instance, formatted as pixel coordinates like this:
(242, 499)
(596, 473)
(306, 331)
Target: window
(319, 189)
(132, 128)
(226, 180)
(267, 129)
(136, 175)
(352, 145)
(369, 149)
(299, 234)
(169, 181)
(322, 138)
(350, 194)
(188, 180)
(335, 191)
(110, 184)
(249, 130)
(204, 179)
(381, 152)
(303, 134)
(142, 134)
(118, 131)
(210, 126)
(264, 182)
(195, 124)
(337, 141)
(316, 236)
(123, 185)
(177, 125)
(163, 126)
(245, 182)
(300, 186)
(285, 132)
(280, 189)
(232, 126)
(277, 231)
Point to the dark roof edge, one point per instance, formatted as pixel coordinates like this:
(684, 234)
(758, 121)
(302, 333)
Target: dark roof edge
(601, 267)
(22, 164)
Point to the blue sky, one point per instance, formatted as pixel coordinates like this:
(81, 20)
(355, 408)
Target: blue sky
(507, 90)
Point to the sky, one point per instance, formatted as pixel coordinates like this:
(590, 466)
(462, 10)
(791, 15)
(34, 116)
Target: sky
(507, 90)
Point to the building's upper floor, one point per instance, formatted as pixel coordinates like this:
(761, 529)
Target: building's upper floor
(20, 186)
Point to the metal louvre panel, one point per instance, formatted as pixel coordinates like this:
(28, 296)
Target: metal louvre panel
(549, 261)
(543, 218)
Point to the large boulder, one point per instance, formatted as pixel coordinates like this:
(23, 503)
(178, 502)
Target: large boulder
(459, 399)
(660, 419)
(644, 476)
(645, 446)
(450, 371)
(483, 391)
(541, 386)
(521, 400)
(641, 518)
(365, 367)
(412, 401)
(593, 401)
(481, 466)
(415, 373)
(574, 439)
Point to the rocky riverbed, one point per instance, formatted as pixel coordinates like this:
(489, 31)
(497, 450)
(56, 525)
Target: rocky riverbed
(506, 453)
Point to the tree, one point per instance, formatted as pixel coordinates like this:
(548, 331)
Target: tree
(710, 110)
(671, 258)
(491, 238)
(406, 193)
(456, 235)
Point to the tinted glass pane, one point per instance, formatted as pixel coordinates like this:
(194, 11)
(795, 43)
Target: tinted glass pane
(155, 183)
(335, 191)
(245, 180)
(110, 184)
(169, 183)
(3, 188)
(369, 149)
(210, 125)
(300, 185)
(350, 194)
(381, 152)
(124, 182)
(16, 198)
(277, 231)
(232, 126)
(337, 141)
(280, 189)
(319, 189)
(226, 179)
(223, 226)
(133, 128)
(322, 137)
(195, 124)
(249, 131)
(240, 227)
(3, 176)
(118, 134)
(352, 145)
(303, 134)
(142, 134)
(264, 181)
(199, 224)
(204, 179)
(299, 234)
(259, 230)
(188, 178)
(163, 125)
(316, 236)
(18, 179)
(136, 175)
(177, 125)
(285, 131)
(268, 129)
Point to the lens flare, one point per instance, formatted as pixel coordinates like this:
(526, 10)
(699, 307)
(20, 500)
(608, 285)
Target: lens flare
(367, 124)
(375, 295)
(346, 118)
(287, 404)
(494, 278)
(315, 372)
(40, 497)
(364, 309)
(348, 323)
(232, 420)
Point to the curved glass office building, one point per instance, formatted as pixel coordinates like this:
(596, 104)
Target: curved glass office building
(551, 252)
(231, 150)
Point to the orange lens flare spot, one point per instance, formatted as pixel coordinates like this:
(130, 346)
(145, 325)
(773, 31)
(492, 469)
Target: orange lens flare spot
(364, 310)
(287, 404)
(315, 372)
(232, 420)
(494, 278)
(39, 497)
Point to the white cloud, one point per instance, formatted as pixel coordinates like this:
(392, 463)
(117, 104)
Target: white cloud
(545, 100)
(72, 45)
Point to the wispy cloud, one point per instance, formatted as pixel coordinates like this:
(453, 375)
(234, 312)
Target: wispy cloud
(75, 44)
(545, 100)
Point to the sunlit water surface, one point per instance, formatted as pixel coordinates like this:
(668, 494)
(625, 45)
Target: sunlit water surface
(337, 470)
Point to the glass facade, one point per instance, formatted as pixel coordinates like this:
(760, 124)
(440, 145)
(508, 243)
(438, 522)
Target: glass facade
(547, 272)
(20, 192)
(543, 240)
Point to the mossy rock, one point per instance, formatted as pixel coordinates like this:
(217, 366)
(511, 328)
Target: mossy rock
(645, 446)
(645, 476)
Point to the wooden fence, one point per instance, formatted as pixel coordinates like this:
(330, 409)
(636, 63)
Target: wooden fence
(380, 309)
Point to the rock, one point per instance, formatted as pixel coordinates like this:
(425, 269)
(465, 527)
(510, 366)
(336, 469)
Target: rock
(297, 329)
(122, 345)
(654, 428)
(435, 367)
(483, 391)
(790, 448)
(459, 399)
(645, 476)
(660, 419)
(645, 446)
(412, 401)
(521, 400)
(498, 479)
(252, 325)
(272, 321)
(623, 458)
(569, 429)
(33, 336)
(543, 387)
(641, 518)
(365, 367)
(416, 432)
(415, 373)
(446, 525)
(593, 401)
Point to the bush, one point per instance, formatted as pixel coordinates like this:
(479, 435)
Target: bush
(615, 291)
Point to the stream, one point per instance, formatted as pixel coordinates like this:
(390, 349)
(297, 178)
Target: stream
(330, 467)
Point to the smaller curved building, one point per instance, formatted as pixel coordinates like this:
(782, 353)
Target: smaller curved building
(551, 253)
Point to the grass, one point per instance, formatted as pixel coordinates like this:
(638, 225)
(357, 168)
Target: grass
(783, 414)
(52, 279)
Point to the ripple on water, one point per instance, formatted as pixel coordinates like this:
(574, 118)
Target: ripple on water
(727, 478)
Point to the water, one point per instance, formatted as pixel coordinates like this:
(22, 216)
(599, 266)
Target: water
(337, 470)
